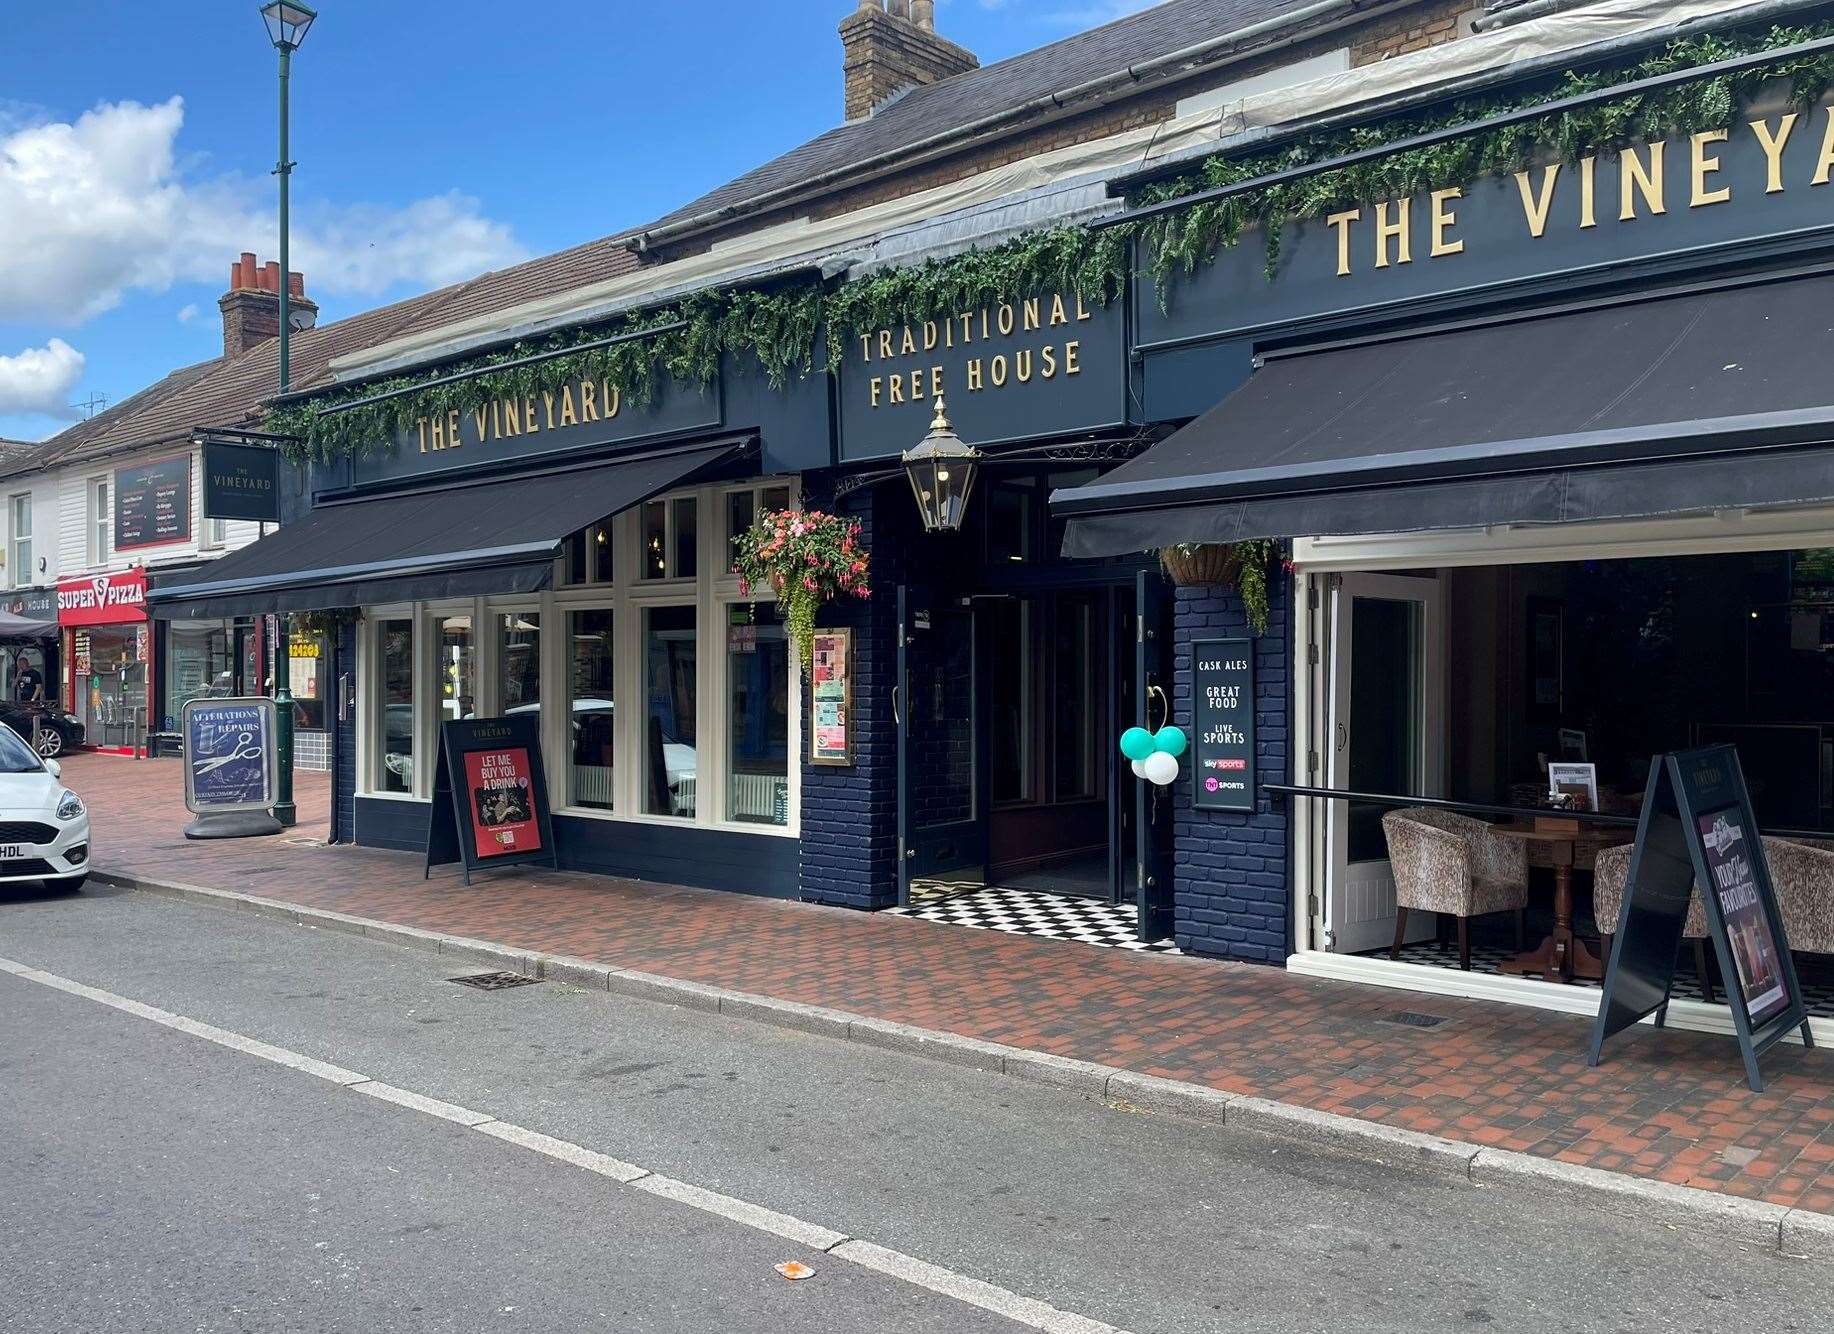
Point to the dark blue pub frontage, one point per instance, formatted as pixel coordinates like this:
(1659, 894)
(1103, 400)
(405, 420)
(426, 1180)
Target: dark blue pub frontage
(1513, 446)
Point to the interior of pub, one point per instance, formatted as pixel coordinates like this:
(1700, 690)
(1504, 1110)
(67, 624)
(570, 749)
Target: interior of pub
(1560, 684)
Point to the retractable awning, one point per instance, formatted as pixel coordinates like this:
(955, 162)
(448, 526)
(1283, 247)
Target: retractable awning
(1674, 404)
(476, 539)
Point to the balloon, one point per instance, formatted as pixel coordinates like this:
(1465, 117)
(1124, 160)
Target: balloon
(1161, 769)
(1169, 741)
(1136, 743)
(1139, 768)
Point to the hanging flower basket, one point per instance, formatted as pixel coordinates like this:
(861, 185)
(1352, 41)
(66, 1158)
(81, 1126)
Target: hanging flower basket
(327, 622)
(1201, 566)
(808, 558)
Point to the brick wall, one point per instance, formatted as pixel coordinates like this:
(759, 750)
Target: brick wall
(883, 55)
(1231, 871)
(1415, 30)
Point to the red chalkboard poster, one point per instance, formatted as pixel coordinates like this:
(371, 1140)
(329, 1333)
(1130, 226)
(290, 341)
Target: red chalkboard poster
(501, 802)
(490, 796)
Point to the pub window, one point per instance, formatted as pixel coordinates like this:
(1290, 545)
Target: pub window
(519, 663)
(589, 556)
(21, 554)
(671, 688)
(458, 668)
(757, 715)
(743, 509)
(101, 522)
(670, 535)
(592, 724)
(395, 692)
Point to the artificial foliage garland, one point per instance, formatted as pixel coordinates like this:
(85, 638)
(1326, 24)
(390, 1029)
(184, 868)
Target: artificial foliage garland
(782, 328)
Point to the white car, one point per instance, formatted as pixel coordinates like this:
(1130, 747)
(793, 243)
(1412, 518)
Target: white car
(44, 826)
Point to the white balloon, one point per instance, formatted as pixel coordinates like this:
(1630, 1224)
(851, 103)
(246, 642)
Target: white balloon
(1161, 769)
(1139, 768)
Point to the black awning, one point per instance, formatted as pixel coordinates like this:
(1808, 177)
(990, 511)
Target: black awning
(482, 538)
(1672, 404)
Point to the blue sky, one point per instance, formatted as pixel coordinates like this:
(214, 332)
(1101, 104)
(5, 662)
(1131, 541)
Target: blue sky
(136, 143)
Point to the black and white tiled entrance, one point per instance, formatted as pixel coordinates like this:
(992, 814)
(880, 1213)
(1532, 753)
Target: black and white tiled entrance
(1027, 913)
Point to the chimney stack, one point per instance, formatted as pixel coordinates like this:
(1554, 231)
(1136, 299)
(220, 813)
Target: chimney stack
(251, 306)
(889, 46)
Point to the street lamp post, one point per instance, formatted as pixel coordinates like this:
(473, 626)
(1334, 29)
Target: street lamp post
(286, 27)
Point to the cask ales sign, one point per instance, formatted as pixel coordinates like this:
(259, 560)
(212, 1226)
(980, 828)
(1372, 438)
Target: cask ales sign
(1223, 717)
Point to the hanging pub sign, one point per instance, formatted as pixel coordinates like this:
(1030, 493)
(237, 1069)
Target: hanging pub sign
(1050, 363)
(1223, 720)
(831, 689)
(229, 755)
(241, 482)
(153, 504)
(490, 796)
(1697, 829)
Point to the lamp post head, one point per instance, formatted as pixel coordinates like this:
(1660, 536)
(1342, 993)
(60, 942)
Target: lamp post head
(942, 471)
(287, 23)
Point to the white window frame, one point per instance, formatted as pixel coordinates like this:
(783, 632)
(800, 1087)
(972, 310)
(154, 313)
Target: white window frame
(19, 551)
(101, 540)
(216, 533)
(711, 594)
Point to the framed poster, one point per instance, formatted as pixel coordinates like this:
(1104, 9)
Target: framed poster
(1579, 781)
(153, 503)
(229, 755)
(490, 796)
(1697, 828)
(1223, 718)
(831, 698)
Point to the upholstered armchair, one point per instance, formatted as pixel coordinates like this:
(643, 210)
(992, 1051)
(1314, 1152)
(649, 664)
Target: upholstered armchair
(1452, 864)
(1610, 873)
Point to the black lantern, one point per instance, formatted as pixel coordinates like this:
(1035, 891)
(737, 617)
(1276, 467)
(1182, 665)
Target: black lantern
(942, 473)
(287, 24)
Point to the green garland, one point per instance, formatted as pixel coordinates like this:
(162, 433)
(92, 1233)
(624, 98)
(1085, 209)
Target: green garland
(781, 329)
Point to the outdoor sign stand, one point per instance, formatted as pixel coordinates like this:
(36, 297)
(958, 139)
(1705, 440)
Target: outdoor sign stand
(230, 773)
(490, 797)
(1697, 827)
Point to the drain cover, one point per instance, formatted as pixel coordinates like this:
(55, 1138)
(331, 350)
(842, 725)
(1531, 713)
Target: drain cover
(495, 981)
(1412, 1019)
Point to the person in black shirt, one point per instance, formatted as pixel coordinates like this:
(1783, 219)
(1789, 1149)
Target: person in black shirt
(28, 686)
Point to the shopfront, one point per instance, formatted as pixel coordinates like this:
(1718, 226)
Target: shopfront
(1549, 454)
(107, 646)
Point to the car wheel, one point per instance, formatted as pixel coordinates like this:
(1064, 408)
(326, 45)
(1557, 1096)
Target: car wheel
(50, 742)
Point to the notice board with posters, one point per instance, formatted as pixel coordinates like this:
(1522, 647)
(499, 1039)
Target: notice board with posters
(1223, 720)
(1697, 829)
(229, 755)
(490, 796)
(831, 697)
(153, 503)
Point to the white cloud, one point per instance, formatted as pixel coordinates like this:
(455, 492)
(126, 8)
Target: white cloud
(103, 206)
(187, 312)
(38, 381)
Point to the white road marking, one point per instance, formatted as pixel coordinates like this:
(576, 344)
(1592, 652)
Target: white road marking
(1027, 1311)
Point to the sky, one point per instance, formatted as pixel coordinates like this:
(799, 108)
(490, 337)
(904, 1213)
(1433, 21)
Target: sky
(433, 142)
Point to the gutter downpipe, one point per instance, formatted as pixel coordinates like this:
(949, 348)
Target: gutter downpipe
(1330, 13)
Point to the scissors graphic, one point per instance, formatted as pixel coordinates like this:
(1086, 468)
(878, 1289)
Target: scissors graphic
(243, 751)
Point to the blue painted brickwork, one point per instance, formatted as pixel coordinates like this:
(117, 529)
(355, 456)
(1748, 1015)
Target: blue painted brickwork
(849, 844)
(344, 785)
(1231, 871)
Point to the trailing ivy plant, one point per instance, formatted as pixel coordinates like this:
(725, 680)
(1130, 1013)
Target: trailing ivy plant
(781, 329)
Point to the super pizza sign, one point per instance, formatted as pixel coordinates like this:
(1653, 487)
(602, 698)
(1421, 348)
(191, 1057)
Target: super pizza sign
(102, 599)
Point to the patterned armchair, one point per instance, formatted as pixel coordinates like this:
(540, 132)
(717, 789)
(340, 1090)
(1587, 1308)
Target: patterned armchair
(1610, 873)
(1455, 865)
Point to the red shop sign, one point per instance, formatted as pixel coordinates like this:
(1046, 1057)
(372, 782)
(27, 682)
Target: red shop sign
(102, 599)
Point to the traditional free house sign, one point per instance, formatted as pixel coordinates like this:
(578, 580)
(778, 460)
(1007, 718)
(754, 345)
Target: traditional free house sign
(1049, 363)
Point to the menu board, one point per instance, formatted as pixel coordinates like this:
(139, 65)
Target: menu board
(1223, 718)
(490, 798)
(153, 503)
(1731, 856)
(830, 726)
(229, 755)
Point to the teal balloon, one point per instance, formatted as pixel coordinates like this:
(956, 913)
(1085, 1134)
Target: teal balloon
(1136, 743)
(1170, 740)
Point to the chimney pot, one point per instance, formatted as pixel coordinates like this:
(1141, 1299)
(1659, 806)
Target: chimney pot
(270, 277)
(889, 46)
(923, 14)
(296, 284)
(251, 307)
(899, 9)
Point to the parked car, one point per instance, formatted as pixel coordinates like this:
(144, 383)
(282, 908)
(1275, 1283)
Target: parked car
(44, 826)
(57, 730)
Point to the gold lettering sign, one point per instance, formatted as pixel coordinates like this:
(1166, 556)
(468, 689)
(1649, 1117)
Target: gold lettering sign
(1565, 194)
(1010, 357)
(579, 404)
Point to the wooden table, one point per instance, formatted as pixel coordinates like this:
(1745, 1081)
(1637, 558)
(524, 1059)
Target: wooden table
(1562, 957)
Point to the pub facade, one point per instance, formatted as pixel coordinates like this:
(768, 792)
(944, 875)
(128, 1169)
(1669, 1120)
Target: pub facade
(1523, 465)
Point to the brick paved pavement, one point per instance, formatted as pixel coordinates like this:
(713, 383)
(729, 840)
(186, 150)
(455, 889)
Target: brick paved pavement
(1668, 1105)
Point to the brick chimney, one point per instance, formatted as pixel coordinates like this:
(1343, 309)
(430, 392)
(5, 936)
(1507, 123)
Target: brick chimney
(891, 45)
(251, 306)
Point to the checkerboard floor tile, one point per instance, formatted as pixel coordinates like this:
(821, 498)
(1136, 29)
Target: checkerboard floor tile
(1026, 913)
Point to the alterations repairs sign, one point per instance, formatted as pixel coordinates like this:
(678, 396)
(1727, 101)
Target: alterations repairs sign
(229, 755)
(490, 797)
(1223, 716)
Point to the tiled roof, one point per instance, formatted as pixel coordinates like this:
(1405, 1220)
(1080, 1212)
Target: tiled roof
(229, 391)
(957, 102)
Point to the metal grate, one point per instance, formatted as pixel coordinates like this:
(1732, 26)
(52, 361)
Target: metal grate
(1413, 1019)
(495, 981)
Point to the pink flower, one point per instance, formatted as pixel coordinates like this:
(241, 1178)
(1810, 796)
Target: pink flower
(809, 584)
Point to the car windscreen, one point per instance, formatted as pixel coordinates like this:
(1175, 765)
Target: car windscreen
(15, 756)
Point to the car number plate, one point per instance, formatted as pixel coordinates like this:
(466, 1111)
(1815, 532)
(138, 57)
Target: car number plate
(9, 851)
